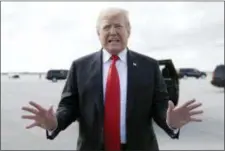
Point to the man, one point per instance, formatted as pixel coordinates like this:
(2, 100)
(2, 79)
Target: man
(114, 94)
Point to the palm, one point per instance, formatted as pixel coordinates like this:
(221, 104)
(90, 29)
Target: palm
(179, 116)
(44, 118)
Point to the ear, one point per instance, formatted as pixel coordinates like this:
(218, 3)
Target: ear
(97, 31)
(128, 32)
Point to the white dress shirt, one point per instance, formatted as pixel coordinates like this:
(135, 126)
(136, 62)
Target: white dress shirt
(121, 66)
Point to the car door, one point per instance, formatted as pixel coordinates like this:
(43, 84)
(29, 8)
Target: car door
(171, 79)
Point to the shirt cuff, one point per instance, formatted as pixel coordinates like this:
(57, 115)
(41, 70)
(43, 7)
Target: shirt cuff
(175, 130)
(51, 131)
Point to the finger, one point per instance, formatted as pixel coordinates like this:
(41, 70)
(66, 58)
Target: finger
(51, 109)
(32, 125)
(189, 102)
(39, 107)
(195, 112)
(31, 110)
(31, 117)
(170, 105)
(191, 107)
(192, 119)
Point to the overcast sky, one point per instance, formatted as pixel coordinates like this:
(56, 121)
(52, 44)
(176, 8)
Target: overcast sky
(37, 36)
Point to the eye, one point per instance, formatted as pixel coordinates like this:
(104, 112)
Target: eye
(106, 27)
(118, 26)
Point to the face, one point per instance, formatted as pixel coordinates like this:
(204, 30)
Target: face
(113, 33)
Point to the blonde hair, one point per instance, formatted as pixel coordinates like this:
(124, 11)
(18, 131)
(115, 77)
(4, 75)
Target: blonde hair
(113, 11)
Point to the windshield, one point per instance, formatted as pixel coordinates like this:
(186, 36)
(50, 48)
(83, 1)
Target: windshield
(220, 72)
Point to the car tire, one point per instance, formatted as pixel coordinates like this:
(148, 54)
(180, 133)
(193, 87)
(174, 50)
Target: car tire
(185, 76)
(54, 80)
(203, 76)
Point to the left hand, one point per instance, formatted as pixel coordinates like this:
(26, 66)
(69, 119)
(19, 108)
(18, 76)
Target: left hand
(180, 116)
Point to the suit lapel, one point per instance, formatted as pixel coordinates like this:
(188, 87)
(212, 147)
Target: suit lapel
(131, 81)
(97, 79)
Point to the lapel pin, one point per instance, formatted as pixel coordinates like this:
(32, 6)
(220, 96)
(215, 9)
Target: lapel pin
(134, 64)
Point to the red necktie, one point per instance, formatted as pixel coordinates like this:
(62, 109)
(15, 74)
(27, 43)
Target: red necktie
(112, 109)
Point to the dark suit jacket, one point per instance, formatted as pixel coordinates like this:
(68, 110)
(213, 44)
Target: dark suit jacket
(82, 101)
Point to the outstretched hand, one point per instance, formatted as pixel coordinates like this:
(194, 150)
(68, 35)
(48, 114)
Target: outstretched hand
(180, 116)
(44, 118)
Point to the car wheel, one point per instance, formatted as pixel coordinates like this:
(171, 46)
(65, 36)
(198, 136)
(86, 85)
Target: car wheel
(54, 80)
(185, 76)
(203, 76)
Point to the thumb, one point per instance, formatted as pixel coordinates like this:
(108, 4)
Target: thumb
(51, 109)
(170, 105)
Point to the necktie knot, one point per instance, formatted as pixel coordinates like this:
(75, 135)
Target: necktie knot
(114, 57)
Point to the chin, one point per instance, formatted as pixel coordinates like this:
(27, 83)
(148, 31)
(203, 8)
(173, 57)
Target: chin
(115, 50)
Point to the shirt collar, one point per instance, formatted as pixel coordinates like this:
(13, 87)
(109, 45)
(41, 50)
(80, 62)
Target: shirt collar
(122, 55)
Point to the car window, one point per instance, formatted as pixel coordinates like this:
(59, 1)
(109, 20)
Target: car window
(219, 71)
(161, 67)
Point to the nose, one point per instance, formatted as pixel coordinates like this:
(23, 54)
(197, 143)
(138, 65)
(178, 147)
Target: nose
(112, 31)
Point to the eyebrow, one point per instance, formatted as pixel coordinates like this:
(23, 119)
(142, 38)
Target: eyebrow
(107, 24)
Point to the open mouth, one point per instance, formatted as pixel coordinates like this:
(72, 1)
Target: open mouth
(110, 41)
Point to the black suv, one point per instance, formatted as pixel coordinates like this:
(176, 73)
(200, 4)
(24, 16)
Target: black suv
(191, 72)
(218, 77)
(55, 75)
(16, 76)
(171, 79)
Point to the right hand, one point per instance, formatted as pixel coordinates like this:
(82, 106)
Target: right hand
(44, 118)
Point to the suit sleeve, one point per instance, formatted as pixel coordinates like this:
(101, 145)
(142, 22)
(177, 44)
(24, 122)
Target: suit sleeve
(68, 108)
(160, 103)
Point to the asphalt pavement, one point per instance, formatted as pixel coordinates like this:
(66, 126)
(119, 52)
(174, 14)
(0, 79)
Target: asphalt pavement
(207, 135)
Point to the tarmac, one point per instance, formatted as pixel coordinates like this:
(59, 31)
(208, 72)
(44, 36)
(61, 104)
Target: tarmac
(15, 93)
